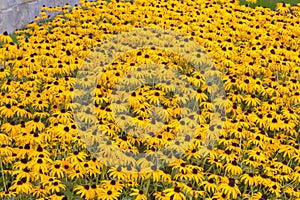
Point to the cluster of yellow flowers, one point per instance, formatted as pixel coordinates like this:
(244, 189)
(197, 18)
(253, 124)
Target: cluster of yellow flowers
(257, 156)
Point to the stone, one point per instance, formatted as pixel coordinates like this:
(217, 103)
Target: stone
(28, 1)
(3, 4)
(33, 10)
(43, 2)
(21, 17)
(16, 14)
(11, 3)
(8, 23)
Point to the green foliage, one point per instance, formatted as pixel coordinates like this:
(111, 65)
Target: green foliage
(268, 3)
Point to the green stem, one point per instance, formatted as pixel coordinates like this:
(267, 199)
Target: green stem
(2, 172)
(147, 187)
(103, 173)
(245, 188)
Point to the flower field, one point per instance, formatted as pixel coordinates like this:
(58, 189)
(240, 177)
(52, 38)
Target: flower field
(254, 153)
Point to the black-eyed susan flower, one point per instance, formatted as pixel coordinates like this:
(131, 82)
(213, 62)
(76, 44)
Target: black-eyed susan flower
(174, 193)
(5, 38)
(230, 189)
(108, 194)
(209, 185)
(85, 191)
(139, 194)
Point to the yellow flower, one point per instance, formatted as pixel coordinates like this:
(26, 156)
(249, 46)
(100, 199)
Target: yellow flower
(230, 189)
(249, 179)
(139, 194)
(7, 111)
(5, 38)
(85, 191)
(21, 186)
(283, 8)
(107, 194)
(174, 193)
(209, 186)
(252, 1)
(233, 168)
(57, 170)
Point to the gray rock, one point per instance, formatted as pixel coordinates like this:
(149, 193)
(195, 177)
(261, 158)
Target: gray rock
(16, 14)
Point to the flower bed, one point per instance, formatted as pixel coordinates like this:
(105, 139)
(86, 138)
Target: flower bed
(256, 155)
